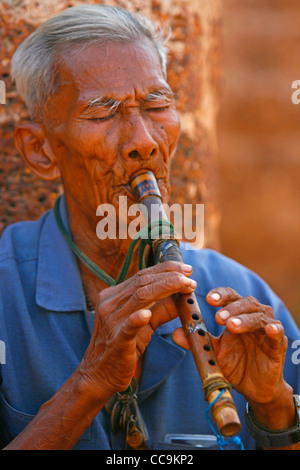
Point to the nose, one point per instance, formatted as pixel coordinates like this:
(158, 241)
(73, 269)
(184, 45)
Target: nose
(139, 143)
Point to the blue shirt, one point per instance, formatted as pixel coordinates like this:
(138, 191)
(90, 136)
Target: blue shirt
(45, 329)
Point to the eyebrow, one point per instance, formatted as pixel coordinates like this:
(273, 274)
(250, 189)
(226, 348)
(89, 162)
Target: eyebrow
(155, 95)
(111, 104)
(102, 102)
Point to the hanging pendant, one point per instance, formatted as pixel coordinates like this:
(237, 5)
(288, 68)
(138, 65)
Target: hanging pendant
(135, 438)
(115, 417)
(126, 416)
(111, 403)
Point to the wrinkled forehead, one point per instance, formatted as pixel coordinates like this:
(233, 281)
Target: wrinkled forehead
(114, 69)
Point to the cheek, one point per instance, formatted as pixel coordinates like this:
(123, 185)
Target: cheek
(94, 141)
(171, 127)
(175, 129)
(86, 146)
(86, 161)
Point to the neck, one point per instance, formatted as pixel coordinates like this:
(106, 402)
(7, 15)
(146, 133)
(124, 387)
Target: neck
(108, 254)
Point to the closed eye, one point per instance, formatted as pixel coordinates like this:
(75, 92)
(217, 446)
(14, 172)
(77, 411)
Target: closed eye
(102, 109)
(101, 119)
(158, 101)
(157, 108)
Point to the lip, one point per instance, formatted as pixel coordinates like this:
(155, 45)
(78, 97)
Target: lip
(129, 190)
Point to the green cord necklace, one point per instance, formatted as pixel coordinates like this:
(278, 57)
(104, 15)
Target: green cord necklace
(154, 228)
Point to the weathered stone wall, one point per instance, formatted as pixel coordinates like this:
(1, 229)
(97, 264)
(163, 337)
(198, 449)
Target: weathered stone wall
(259, 142)
(256, 167)
(193, 74)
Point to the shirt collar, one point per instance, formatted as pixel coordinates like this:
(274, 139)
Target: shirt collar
(164, 352)
(59, 287)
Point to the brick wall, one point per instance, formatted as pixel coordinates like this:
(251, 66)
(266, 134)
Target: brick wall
(259, 142)
(193, 74)
(258, 126)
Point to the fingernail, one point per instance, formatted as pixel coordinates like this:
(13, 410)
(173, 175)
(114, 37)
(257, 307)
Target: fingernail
(146, 313)
(236, 321)
(187, 268)
(224, 314)
(189, 282)
(274, 327)
(215, 296)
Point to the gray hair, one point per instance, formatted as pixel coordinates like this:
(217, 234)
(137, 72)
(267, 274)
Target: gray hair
(33, 67)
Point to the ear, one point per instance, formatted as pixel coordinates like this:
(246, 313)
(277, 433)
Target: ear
(32, 144)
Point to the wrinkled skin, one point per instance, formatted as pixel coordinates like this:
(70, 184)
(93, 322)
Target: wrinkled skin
(127, 316)
(95, 152)
(252, 346)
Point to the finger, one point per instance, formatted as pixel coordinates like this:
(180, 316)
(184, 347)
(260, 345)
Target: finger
(136, 333)
(251, 323)
(275, 331)
(163, 286)
(244, 305)
(179, 337)
(144, 277)
(163, 311)
(135, 322)
(222, 296)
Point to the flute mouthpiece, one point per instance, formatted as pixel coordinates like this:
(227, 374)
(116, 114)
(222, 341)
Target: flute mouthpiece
(144, 184)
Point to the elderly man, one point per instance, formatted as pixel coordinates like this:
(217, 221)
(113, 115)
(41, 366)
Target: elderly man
(94, 81)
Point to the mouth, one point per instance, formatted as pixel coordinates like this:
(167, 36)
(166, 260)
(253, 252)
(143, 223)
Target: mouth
(161, 180)
(129, 190)
(126, 190)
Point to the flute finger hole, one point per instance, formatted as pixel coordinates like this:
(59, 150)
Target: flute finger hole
(195, 316)
(212, 362)
(190, 301)
(206, 347)
(201, 332)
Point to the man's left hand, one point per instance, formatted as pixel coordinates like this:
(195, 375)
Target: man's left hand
(251, 349)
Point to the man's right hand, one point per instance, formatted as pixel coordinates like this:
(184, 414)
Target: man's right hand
(124, 323)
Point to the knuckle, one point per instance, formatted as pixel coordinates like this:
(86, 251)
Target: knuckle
(253, 301)
(269, 312)
(105, 293)
(232, 292)
(173, 281)
(261, 317)
(101, 298)
(136, 280)
(228, 294)
(278, 324)
(141, 279)
(285, 343)
(137, 276)
(170, 265)
(228, 291)
(256, 321)
(105, 301)
(175, 278)
(141, 295)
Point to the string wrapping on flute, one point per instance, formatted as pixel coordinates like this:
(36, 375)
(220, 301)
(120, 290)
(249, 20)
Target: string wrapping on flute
(222, 441)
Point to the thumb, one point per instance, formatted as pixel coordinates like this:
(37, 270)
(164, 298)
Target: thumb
(134, 322)
(180, 338)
